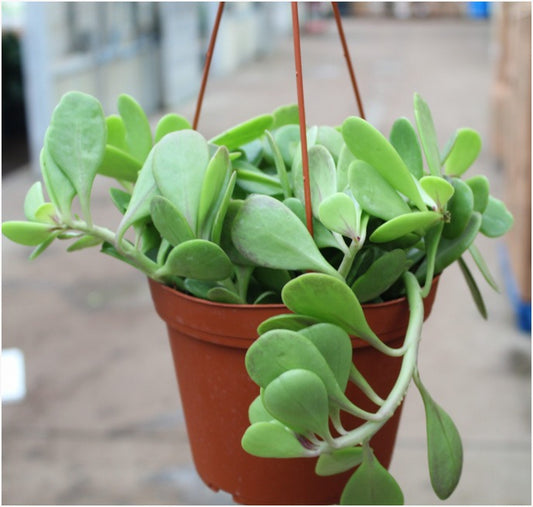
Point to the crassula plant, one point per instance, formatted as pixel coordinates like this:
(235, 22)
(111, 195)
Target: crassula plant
(225, 220)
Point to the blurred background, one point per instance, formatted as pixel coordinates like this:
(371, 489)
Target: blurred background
(91, 412)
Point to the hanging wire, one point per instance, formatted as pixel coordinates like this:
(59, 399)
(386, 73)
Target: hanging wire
(348, 59)
(207, 65)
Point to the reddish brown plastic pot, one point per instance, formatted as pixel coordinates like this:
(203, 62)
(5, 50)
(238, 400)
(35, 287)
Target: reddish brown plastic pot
(209, 342)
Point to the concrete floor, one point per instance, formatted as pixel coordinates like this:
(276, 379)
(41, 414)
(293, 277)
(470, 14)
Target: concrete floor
(102, 422)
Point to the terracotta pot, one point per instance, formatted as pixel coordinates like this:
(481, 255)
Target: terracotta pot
(209, 342)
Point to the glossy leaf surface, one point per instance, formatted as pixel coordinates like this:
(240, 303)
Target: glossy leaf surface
(480, 187)
(438, 189)
(26, 233)
(460, 207)
(244, 132)
(339, 461)
(170, 123)
(427, 133)
(33, 200)
(119, 165)
(339, 214)
(463, 153)
(289, 321)
(496, 219)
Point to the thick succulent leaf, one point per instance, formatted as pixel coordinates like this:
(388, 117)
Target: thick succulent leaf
(368, 144)
(336, 347)
(44, 245)
(460, 208)
(438, 189)
(482, 266)
(381, 275)
(374, 193)
(121, 199)
(226, 241)
(116, 132)
(480, 187)
(180, 161)
(169, 221)
(76, 141)
(170, 123)
(26, 233)
(372, 484)
(199, 259)
(258, 413)
(118, 164)
(346, 157)
(280, 166)
(339, 214)
(86, 241)
(403, 138)
(497, 219)
(287, 139)
(290, 321)
(299, 399)
(216, 176)
(281, 350)
(33, 200)
(329, 300)
(244, 132)
(332, 139)
(269, 234)
(46, 214)
(58, 186)
(428, 136)
(285, 115)
(257, 182)
(223, 295)
(222, 210)
(405, 224)
(138, 132)
(339, 461)
(139, 206)
(445, 450)
(473, 287)
(272, 440)
(322, 177)
(464, 151)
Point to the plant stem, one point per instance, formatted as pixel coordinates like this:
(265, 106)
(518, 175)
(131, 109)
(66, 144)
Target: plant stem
(396, 395)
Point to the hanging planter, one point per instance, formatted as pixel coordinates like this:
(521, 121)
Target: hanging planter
(208, 342)
(306, 257)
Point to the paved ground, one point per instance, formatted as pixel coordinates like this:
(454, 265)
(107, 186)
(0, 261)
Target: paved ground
(102, 423)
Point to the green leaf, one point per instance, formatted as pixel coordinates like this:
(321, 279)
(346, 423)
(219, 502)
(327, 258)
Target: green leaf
(33, 200)
(170, 123)
(58, 186)
(445, 450)
(322, 177)
(428, 136)
(120, 198)
(257, 182)
(138, 132)
(287, 138)
(179, 167)
(480, 187)
(346, 157)
(373, 192)
(289, 321)
(438, 189)
(460, 208)
(116, 132)
(86, 241)
(474, 289)
(216, 175)
(482, 266)
(497, 219)
(272, 440)
(381, 275)
(119, 165)
(336, 347)
(280, 166)
(368, 144)
(26, 233)
(139, 206)
(339, 461)
(339, 214)
(403, 138)
(244, 132)
(44, 245)
(371, 484)
(329, 300)
(199, 259)
(76, 141)
(285, 115)
(299, 399)
(464, 151)
(269, 234)
(169, 221)
(258, 413)
(331, 139)
(223, 207)
(46, 214)
(417, 221)
(223, 295)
